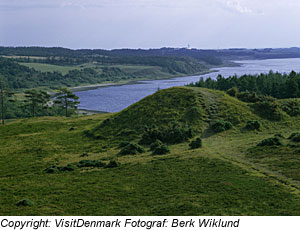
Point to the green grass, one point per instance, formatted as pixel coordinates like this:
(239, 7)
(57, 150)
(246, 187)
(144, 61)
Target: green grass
(50, 68)
(283, 159)
(228, 175)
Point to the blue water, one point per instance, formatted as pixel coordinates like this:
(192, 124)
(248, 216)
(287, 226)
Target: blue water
(116, 98)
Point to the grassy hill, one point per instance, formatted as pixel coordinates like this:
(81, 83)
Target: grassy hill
(54, 163)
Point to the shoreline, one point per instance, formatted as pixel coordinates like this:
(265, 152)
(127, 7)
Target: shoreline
(102, 85)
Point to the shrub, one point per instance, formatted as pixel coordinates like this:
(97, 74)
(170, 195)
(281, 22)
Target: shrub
(221, 125)
(123, 144)
(171, 134)
(295, 137)
(279, 135)
(249, 97)
(161, 150)
(25, 202)
(270, 142)
(268, 109)
(90, 163)
(112, 164)
(52, 169)
(156, 144)
(233, 92)
(196, 143)
(291, 107)
(253, 125)
(192, 114)
(84, 155)
(131, 149)
(69, 167)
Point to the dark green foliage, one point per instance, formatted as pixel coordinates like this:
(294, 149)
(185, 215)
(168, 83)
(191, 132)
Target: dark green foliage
(233, 92)
(196, 143)
(52, 169)
(131, 149)
(156, 144)
(273, 141)
(67, 100)
(67, 168)
(112, 164)
(90, 163)
(253, 125)
(220, 126)
(193, 114)
(123, 144)
(290, 106)
(25, 202)
(268, 109)
(84, 155)
(295, 137)
(161, 150)
(273, 84)
(172, 134)
(252, 97)
(56, 169)
(37, 101)
(279, 135)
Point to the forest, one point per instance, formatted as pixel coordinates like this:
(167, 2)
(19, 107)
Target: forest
(20, 77)
(271, 84)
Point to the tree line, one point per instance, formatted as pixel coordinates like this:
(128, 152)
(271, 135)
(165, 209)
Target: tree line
(36, 103)
(277, 85)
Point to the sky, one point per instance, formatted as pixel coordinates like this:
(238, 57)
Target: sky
(113, 24)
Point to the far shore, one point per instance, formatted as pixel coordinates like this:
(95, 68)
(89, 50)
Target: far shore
(95, 86)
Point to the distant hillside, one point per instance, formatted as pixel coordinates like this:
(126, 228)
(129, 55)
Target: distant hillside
(208, 56)
(26, 73)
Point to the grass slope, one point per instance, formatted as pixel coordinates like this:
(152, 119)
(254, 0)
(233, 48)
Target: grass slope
(185, 105)
(222, 178)
(49, 68)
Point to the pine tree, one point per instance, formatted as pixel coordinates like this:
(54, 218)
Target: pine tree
(5, 97)
(67, 100)
(36, 100)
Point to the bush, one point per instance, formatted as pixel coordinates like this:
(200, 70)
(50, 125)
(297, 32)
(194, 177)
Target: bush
(196, 143)
(193, 114)
(52, 169)
(90, 163)
(268, 109)
(279, 135)
(112, 164)
(270, 142)
(123, 144)
(253, 125)
(156, 144)
(233, 92)
(221, 125)
(69, 167)
(161, 150)
(291, 107)
(295, 137)
(131, 149)
(84, 155)
(172, 134)
(25, 202)
(249, 97)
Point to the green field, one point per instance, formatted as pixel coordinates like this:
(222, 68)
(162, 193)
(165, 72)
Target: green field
(50, 68)
(229, 175)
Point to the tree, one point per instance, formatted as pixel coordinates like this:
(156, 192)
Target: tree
(5, 97)
(67, 100)
(36, 99)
